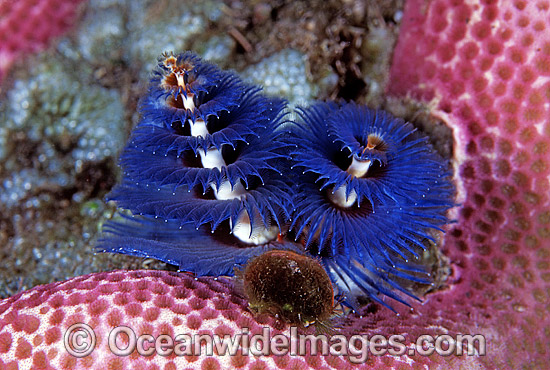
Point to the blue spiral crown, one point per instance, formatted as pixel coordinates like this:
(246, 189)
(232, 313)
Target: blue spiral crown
(213, 175)
(369, 190)
(205, 161)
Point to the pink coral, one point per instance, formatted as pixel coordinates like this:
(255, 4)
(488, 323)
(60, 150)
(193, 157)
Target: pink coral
(486, 66)
(29, 25)
(33, 324)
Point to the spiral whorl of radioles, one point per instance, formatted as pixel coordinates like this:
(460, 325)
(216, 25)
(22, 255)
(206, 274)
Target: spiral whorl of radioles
(207, 151)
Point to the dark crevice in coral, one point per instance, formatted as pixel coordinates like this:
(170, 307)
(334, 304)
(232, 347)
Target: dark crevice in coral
(348, 67)
(96, 178)
(65, 143)
(438, 132)
(22, 150)
(333, 35)
(353, 87)
(7, 229)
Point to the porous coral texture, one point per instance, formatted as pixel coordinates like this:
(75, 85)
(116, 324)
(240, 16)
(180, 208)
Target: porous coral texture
(29, 25)
(33, 324)
(485, 66)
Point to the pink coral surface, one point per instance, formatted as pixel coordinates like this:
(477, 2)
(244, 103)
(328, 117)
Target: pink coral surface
(27, 26)
(486, 66)
(34, 324)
